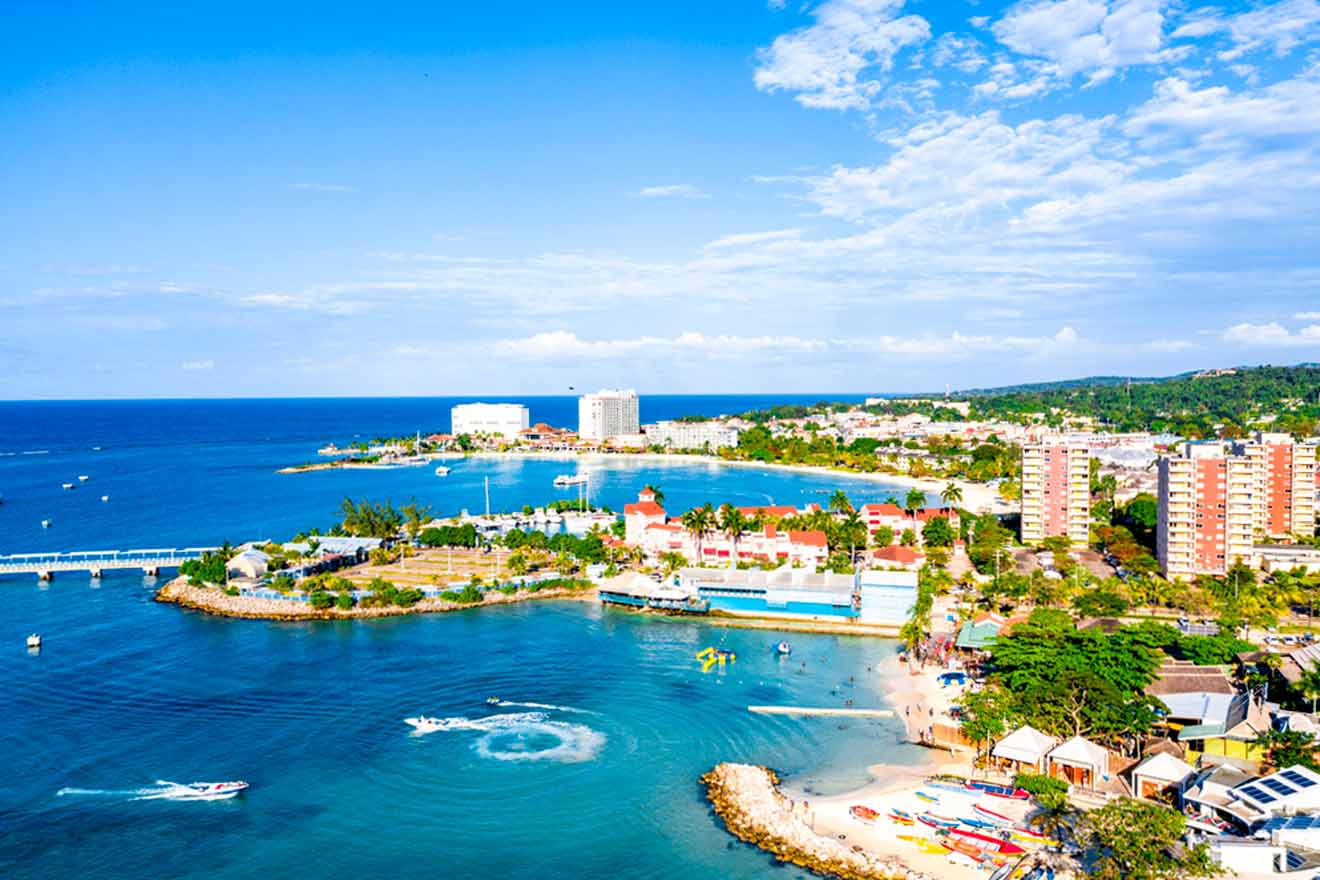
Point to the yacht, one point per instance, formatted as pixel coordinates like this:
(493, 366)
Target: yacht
(442, 471)
(82, 478)
(425, 724)
(564, 480)
(201, 791)
(66, 485)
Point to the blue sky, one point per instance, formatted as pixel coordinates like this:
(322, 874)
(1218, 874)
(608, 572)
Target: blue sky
(850, 195)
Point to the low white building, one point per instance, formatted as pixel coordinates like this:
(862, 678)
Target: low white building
(691, 435)
(251, 564)
(493, 419)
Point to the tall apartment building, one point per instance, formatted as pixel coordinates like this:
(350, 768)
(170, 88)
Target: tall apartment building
(608, 413)
(1056, 491)
(499, 419)
(1216, 502)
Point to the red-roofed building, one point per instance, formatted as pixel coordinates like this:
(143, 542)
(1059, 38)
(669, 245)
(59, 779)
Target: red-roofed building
(777, 511)
(648, 526)
(900, 556)
(896, 518)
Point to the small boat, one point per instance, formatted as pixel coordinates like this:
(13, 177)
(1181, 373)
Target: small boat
(34, 641)
(987, 813)
(784, 648)
(442, 471)
(45, 523)
(935, 821)
(1031, 835)
(66, 485)
(105, 497)
(425, 724)
(1000, 791)
(864, 814)
(930, 846)
(980, 823)
(564, 480)
(900, 817)
(493, 701)
(947, 785)
(82, 478)
(202, 791)
(986, 842)
(928, 797)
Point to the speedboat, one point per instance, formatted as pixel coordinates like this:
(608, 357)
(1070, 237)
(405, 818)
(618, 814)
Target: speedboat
(45, 523)
(425, 724)
(564, 480)
(105, 497)
(492, 701)
(34, 641)
(82, 478)
(202, 791)
(784, 648)
(442, 471)
(66, 485)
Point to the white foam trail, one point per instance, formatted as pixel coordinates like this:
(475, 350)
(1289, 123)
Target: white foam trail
(549, 707)
(504, 734)
(129, 793)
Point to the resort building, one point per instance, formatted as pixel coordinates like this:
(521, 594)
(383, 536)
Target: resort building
(899, 520)
(607, 413)
(647, 526)
(1216, 503)
(506, 420)
(710, 435)
(873, 597)
(1162, 777)
(1056, 492)
(1022, 751)
(1080, 762)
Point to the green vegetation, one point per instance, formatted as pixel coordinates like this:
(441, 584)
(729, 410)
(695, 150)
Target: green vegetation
(363, 519)
(209, 568)
(449, 536)
(384, 594)
(1288, 748)
(1137, 840)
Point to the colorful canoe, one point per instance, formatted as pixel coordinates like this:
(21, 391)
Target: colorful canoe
(1002, 791)
(935, 821)
(987, 813)
(899, 817)
(927, 797)
(986, 842)
(864, 814)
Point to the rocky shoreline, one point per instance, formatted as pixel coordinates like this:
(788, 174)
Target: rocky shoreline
(213, 601)
(748, 799)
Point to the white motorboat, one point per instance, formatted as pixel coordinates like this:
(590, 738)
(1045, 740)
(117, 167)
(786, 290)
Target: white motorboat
(82, 478)
(200, 791)
(564, 480)
(45, 523)
(34, 641)
(105, 497)
(442, 471)
(66, 485)
(425, 723)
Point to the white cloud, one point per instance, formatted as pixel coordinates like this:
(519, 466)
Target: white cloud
(1271, 335)
(746, 239)
(842, 61)
(1279, 27)
(321, 187)
(197, 366)
(565, 345)
(1217, 114)
(673, 191)
(1307, 316)
(326, 303)
(1091, 37)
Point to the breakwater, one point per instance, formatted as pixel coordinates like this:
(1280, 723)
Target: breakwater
(748, 799)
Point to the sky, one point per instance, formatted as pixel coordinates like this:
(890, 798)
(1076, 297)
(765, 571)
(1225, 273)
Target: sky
(277, 199)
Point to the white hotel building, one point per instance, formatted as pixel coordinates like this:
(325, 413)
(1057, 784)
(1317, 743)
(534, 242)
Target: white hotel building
(607, 413)
(492, 419)
(691, 435)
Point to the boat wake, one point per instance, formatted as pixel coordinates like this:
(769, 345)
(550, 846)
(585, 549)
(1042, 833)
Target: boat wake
(549, 707)
(522, 736)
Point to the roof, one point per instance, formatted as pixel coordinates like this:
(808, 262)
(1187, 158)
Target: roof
(1185, 677)
(1165, 768)
(1292, 786)
(1202, 707)
(645, 508)
(776, 510)
(898, 553)
(1027, 745)
(1081, 751)
(811, 537)
(977, 634)
(665, 527)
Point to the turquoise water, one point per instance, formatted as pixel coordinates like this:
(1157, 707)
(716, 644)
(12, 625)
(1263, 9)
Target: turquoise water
(126, 692)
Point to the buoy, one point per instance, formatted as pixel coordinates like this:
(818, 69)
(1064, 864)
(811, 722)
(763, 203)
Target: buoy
(34, 641)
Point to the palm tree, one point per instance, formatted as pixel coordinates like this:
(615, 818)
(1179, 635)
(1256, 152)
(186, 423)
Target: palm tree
(699, 521)
(671, 562)
(415, 516)
(915, 500)
(951, 494)
(839, 502)
(734, 525)
(1309, 685)
(854, 529)
(655, 490)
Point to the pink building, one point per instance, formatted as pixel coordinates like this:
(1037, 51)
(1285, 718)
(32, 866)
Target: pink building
(896, 518)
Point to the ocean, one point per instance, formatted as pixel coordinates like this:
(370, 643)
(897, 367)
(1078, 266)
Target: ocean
(587, 768)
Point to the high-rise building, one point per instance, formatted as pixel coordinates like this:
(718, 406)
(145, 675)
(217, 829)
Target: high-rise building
(495, 419)
(607, 413)
(1056, 492)
(1217, 502)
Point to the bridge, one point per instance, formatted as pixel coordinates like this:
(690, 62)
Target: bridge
(44, 565)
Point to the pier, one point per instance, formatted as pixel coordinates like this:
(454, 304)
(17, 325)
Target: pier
(823, 712)
(45, 565)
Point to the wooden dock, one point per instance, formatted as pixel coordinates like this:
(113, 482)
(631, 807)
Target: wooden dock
(823, 712)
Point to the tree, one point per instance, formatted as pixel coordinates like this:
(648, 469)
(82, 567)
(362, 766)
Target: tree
(367, 520)
(883, 536)
(1309, 686)
(415, 517)
(839, 502)
(951, 495)
(671, 562)
(655, 490)
(938, 533)
(908, 538)
(1288, 748)
(517, 563)
(699, 521)
(915, 500)
(1136, 840)
(734, 525)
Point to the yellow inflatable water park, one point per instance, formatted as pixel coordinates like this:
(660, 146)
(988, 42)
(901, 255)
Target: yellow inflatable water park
(711, 656)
